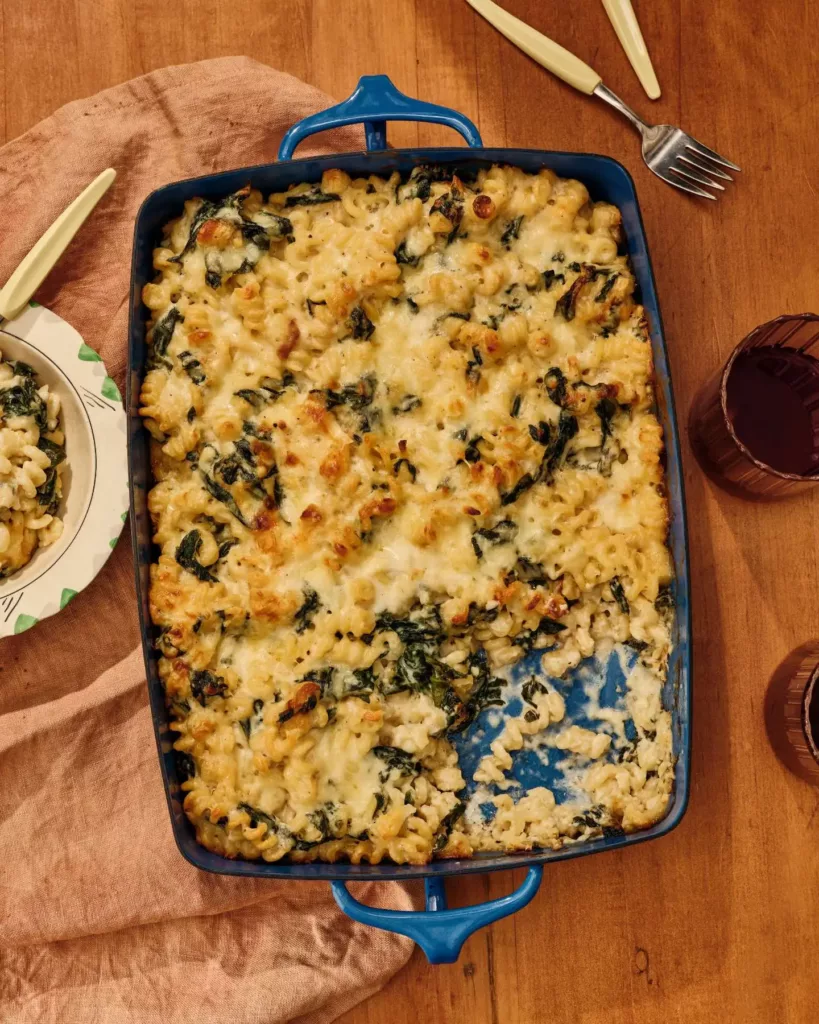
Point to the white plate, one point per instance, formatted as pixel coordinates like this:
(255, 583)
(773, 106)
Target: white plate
(95, 478)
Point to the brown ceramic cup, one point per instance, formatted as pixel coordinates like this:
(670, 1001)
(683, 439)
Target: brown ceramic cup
(729, 462)
(792, 711)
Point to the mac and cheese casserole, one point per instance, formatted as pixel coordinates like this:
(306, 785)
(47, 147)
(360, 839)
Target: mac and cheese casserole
(32, 455)
(403, 440)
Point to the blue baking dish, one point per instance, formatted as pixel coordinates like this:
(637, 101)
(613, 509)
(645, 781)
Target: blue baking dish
(438, 930)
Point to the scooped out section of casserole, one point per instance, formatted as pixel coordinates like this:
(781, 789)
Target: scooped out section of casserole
(403, 438)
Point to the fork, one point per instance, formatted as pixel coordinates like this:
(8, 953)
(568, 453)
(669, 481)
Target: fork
(669, 152)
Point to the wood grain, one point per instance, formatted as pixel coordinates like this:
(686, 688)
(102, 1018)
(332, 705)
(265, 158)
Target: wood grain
(716, 922)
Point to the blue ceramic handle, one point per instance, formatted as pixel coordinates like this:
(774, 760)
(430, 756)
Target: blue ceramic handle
(440, 932)
(376, 101)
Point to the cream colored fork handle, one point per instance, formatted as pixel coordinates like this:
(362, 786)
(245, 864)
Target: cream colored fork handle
(31, 273)
(621, 15)
(539, 47)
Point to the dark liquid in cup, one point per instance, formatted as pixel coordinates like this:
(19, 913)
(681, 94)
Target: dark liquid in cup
(813, 717)
(772, 398)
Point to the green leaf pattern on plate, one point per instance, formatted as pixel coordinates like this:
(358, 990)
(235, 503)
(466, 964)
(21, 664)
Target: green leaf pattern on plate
(88, 355)
(110, 390)
(66, 596)
(23, 623)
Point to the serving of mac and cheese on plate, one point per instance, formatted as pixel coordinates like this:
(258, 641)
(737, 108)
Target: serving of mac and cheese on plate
(408, 480)
(32, 453)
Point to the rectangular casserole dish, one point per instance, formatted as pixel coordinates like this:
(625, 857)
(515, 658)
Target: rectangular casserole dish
(440, 931)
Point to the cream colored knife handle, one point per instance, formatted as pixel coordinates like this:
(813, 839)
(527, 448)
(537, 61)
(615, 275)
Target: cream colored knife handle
(622, 16)
(539, 47)
(31, 273)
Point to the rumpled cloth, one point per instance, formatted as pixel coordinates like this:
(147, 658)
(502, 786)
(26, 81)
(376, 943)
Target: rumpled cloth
(101, 919)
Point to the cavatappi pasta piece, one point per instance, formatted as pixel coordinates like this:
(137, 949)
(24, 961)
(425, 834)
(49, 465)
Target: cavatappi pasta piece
(403, 438)
(32, 457)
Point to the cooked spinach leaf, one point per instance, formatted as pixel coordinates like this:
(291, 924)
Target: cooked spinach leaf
(305, 614)
(186, 554)
(503, 532)
(607, 287)
(619, 594)
(512, 231)
(546, 627)
(215, 490)
(664, 602)
(163, 331)
(540, 433)
(451, 206)
(557, 386)
(411, 469)
(473, 374)
(550, 278)
(396, 759)
(527, 571)
(357, 396)
(185, 765)
(566, 430)
(360, 324)
(311, 198)
(513, 412)
(192, 366)
(403, 255)
(473, 453)
(605, 410)
(55, 452)
(275, 827)
(407, 404)
(446, 826)
(205, 685)
(47, 496)
(23, 400)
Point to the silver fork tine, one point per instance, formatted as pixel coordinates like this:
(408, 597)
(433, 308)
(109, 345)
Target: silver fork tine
(701, 179)
(701, 150)
(693, 189)
(706, 168)
(670, 153)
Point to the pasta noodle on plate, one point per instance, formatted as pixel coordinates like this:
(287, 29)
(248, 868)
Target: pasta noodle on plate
(403, 437)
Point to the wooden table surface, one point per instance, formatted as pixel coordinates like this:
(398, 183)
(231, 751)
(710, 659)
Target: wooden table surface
(717, 921)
